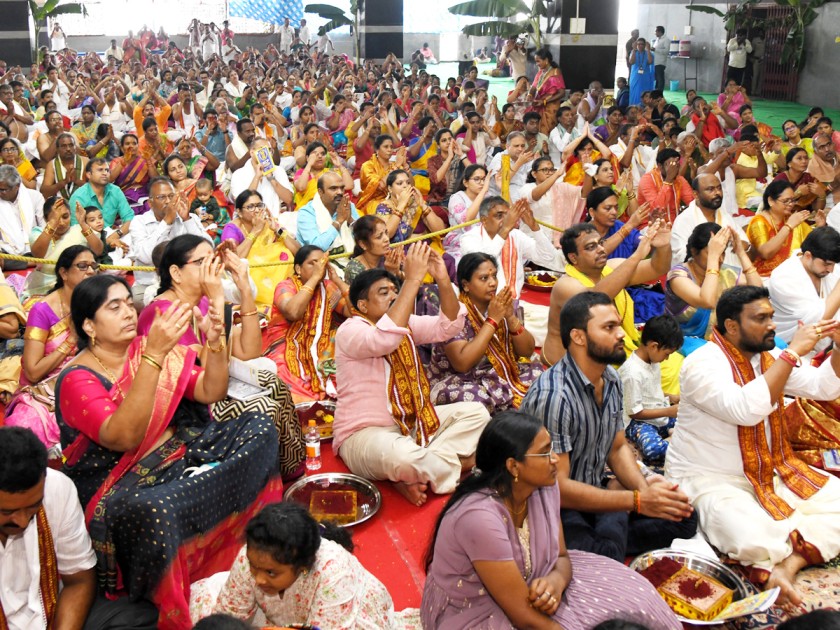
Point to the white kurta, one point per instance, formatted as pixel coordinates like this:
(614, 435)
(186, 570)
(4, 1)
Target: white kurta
(533, 246)
(644, 159)
(793, 296)
(17, 218)
(704, 457)
(20, 570)
(689, 219)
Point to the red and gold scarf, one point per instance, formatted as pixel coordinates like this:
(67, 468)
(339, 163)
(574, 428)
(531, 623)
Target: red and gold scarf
(761, 460)
(308, 339)
(508, 260)
(410, 393)
(49, 571)
(499, 352)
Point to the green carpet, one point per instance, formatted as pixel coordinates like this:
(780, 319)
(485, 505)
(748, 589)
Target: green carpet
(772, 113)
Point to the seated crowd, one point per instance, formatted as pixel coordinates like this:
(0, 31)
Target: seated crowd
(361, 234)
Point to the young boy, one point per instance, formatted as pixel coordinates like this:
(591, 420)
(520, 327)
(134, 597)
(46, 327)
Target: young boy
(207, 208)
(650, 414)
(94, 219)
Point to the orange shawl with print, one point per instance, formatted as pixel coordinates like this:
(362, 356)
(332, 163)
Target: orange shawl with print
(499, 352)
(308, 339)
(409, 392)
(49, 571)
(760, 460)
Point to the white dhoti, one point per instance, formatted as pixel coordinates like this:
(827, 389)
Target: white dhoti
(733, 520)
(385, 453)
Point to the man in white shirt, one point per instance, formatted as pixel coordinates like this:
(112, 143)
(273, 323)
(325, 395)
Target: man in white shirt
(275, 188)
(514, 53)
(287, 36)
(115, 51)
(566, 130)
(757, 502)
(804, 288)
(303, 34)
(509, 169)
(632, 154)
(738, 48)
(169, 216)
(21, 209)
(661, 48)
(61, 93)
(498, 236)
(42, 531)
(705, 208)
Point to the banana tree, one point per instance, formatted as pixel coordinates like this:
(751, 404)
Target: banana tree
(336, 18)
(41, 10)
(502, 11)
(803, 13)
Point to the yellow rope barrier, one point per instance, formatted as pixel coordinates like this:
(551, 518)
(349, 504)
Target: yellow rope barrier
(414, 239)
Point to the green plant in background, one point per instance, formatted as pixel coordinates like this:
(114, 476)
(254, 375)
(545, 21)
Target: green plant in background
(337, 18)
(502, 11)
(51, 8)
(803, 13)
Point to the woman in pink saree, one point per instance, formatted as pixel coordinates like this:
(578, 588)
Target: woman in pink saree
(547, 90)
(132, 173)
(49, 345)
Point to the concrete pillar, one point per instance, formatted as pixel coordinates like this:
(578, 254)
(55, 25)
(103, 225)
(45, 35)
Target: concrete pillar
(16, 35)
(381, 28)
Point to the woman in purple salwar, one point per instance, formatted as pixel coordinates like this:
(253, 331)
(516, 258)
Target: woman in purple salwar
(498, 559)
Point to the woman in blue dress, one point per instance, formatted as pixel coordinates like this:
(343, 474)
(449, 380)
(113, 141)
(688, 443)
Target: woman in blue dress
(641, 70)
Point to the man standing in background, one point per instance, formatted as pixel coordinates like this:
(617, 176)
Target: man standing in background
(757, 60)
(630, 45)
(738, 47)
(661, 48)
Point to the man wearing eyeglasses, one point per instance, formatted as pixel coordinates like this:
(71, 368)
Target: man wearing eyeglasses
(169, 217)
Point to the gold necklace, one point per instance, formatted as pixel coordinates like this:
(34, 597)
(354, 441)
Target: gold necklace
(108, 372)
(518, 513)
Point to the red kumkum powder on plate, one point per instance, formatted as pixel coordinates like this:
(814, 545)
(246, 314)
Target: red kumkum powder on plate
(694, 589)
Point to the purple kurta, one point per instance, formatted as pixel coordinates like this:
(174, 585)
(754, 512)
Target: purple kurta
(479, 528)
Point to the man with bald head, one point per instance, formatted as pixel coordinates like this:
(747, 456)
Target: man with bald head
(591, 107)
(325, 221)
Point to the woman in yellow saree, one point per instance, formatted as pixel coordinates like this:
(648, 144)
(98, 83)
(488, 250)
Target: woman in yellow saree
(308, 308)
(374, 172)
(261, 241)
(582, 151)
(306, 179)
(420, 150)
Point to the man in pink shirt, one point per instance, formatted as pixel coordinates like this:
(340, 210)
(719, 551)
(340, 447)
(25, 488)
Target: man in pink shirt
(385, 424)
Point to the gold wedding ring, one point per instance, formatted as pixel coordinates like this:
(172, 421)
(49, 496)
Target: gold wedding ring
(818, 331)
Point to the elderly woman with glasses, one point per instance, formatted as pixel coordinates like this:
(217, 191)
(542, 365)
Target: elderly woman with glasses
(12, 154)
(50, 343)
(780, 227)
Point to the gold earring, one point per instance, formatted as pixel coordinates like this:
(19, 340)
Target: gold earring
(92, 340)
(516, 478)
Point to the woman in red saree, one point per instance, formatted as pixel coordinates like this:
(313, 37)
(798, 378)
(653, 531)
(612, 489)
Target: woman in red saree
(167, 489)
(307, 310)
(547, 90)
(133, 49)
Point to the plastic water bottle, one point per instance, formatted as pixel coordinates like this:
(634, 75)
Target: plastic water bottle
(313, 447)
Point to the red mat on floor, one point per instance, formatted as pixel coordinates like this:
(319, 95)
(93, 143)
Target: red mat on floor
(393, 543)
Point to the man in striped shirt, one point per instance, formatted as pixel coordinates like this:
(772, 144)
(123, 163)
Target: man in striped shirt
(579, 399)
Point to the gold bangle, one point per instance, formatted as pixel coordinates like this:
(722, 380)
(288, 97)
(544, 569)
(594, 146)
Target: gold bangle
(49, 230)
(306, 287)
(147, 359)
(88, 233)
(712, 272)
(749, 271)
(251, 236)
(248, 314)
(222, 345)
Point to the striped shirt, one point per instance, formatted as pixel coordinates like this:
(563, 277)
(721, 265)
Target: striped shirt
(564, 399)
